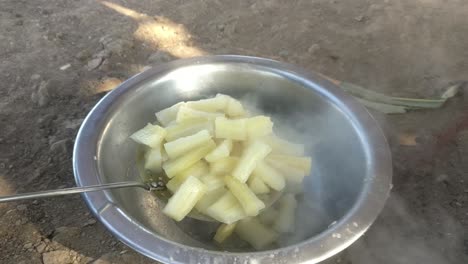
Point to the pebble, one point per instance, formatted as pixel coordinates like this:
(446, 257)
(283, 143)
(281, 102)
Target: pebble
(57, 257)
(83, 55)
(73, 124)
(41, 96)
(28, 245)
(159, 57)
(41, 247)
(313, 48)
(21, 207)
(60, 146)
(94, 63)
(89, 222)
(283, 53)
(35, 77)
(442, 178)
(359, 18)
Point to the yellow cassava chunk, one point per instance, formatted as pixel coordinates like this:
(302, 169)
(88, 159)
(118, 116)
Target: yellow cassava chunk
(234, 108)
(223, 166)
(226, 210)
(234, 129)
(221, 151)
(252, 154)
(301, 163)
(210, 198)
(281, 146)
(290, 174)
(257, 185)
(198, 170)
(268, 216)
(223, 232)
(237, 149)
(153, 159)
(182, 145)
(247, 199)
(186, 113)
(212, 181)
(172, 167)
(188, 128)
(259, 126)
(150, 135)
(185, 198)
(256, 234)
(269, 176)
(285, 222)
(168, 115)
(215, 104)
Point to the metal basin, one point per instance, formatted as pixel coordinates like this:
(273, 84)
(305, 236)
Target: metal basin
(345, 192)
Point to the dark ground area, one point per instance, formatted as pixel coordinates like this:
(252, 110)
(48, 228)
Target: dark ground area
(58, 58)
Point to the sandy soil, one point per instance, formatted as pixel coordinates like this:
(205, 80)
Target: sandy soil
(58, 58)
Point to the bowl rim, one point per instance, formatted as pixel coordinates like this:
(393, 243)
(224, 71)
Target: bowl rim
(326, 244)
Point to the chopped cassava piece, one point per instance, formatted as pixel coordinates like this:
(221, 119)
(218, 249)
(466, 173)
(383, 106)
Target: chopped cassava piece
(180, 146)
(234, 129)
(223, 232)
(254, 153)
(150, 135)
(172, 167)
(185, 198)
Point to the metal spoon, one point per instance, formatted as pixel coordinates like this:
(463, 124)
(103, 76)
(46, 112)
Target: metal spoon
(149, 186)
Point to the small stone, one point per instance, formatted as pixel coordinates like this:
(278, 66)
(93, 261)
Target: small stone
(21, 207)
(35, 202)
(73, 124)
(359, 18)
(35, 77)
(57, 257)
(41, 96)
(442, 178)
(119, 46)
(18, 222)
(41, 247)
(220, 27)
(284, 53)
(64, 67)
(65, 235)
(60, 146)
(89, 222)
(28, 245)
(313, 48)
(103, 54)
(83, 55)
(159, 57)
(94, 63)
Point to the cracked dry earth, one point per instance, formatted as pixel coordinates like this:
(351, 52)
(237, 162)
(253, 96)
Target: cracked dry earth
(58, 58)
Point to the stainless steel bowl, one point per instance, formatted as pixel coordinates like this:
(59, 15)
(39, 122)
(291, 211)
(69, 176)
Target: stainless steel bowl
(347, 189)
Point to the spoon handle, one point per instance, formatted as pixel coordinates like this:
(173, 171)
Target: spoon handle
(65, 191)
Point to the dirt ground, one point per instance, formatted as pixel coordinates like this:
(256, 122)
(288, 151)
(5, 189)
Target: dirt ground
(58, 58)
